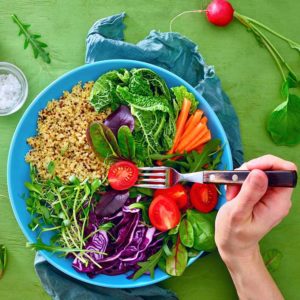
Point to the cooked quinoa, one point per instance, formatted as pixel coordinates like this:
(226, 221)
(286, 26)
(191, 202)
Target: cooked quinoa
(61, 137)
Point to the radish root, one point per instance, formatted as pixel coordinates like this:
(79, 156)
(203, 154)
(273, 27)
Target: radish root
(183, 13)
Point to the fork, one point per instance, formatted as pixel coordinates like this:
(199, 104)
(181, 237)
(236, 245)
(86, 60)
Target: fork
(164, 177)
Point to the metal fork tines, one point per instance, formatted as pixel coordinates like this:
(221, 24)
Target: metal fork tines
(153, 177)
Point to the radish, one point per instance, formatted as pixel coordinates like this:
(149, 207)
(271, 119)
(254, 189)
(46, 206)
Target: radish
(283, 124)
(219, 12)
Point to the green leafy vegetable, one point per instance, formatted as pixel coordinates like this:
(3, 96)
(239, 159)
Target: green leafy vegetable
(38, 47)
(186, 233)
(150, 102)
(51, 167)
(283, 123)
(272, 259)
(126, 142)
(177, 262)
(149, 265)
(180, 93)
(58, 207)
(104, 94)
(203, 226)
(103, 141)
(3, 259)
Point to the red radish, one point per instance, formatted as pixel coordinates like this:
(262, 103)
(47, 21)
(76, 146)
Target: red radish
(219, 12)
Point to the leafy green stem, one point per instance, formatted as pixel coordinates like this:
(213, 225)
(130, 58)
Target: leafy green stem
(267, 43)
(32, 39)
(74, 215)
(292, 43)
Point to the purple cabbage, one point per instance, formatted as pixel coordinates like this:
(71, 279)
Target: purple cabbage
(126, 244)
(118, 118)
(111, 202)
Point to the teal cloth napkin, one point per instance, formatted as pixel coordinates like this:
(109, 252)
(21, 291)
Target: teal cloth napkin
(178, 54)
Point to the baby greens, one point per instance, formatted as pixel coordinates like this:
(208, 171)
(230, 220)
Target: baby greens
(62, 208)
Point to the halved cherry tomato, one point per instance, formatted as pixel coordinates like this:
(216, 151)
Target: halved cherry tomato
(122, 175)
(163, 213)
(176, 193)
(204, 197)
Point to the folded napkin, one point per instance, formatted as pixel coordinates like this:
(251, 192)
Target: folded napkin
(178, 54)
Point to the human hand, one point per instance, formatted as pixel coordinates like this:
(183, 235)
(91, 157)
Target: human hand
(252, 210)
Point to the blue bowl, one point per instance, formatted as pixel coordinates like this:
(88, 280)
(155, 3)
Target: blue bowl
(18, 169)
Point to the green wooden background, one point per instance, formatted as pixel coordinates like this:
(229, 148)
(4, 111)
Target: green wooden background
(248, 74)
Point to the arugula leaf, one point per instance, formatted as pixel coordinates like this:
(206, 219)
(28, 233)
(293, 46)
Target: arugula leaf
(3, 259)
(177, 262)
(38, 47)
(149, 265)
(126, 142)
(197, 161)
(272, 259)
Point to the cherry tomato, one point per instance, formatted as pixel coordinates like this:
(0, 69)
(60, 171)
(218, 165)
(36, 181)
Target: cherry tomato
(176, 193)
(204, 197)
(163, 213)
(122, 175)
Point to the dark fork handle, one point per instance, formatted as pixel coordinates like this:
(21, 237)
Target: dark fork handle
(276, 178)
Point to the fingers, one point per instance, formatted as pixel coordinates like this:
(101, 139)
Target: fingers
(233, 190)
(252, 190)
(270, 162)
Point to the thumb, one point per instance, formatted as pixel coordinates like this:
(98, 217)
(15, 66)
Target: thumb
(253, 189)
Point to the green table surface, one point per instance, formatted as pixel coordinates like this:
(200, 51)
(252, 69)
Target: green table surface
(248, 74)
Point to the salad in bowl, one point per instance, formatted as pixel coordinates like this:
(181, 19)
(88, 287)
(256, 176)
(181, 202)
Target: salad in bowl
(82, 203)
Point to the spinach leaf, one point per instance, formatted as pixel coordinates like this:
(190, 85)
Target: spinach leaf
(177, 262)
(203, 226)
(272, 259)
(103, 141)
(126, 142)
(149, 265)
(186, 233)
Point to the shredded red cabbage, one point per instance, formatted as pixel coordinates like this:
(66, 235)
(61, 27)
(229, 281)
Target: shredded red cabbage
(127, 243)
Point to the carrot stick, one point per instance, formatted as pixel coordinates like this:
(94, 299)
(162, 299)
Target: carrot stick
(196, 119)
(204, 120)
(200, 141)
(183, 115)
(190, 119)
(200, 129)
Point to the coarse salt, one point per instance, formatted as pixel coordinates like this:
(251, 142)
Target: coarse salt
(10, 91)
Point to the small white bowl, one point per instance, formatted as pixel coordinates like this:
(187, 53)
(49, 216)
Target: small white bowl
(7, 68)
